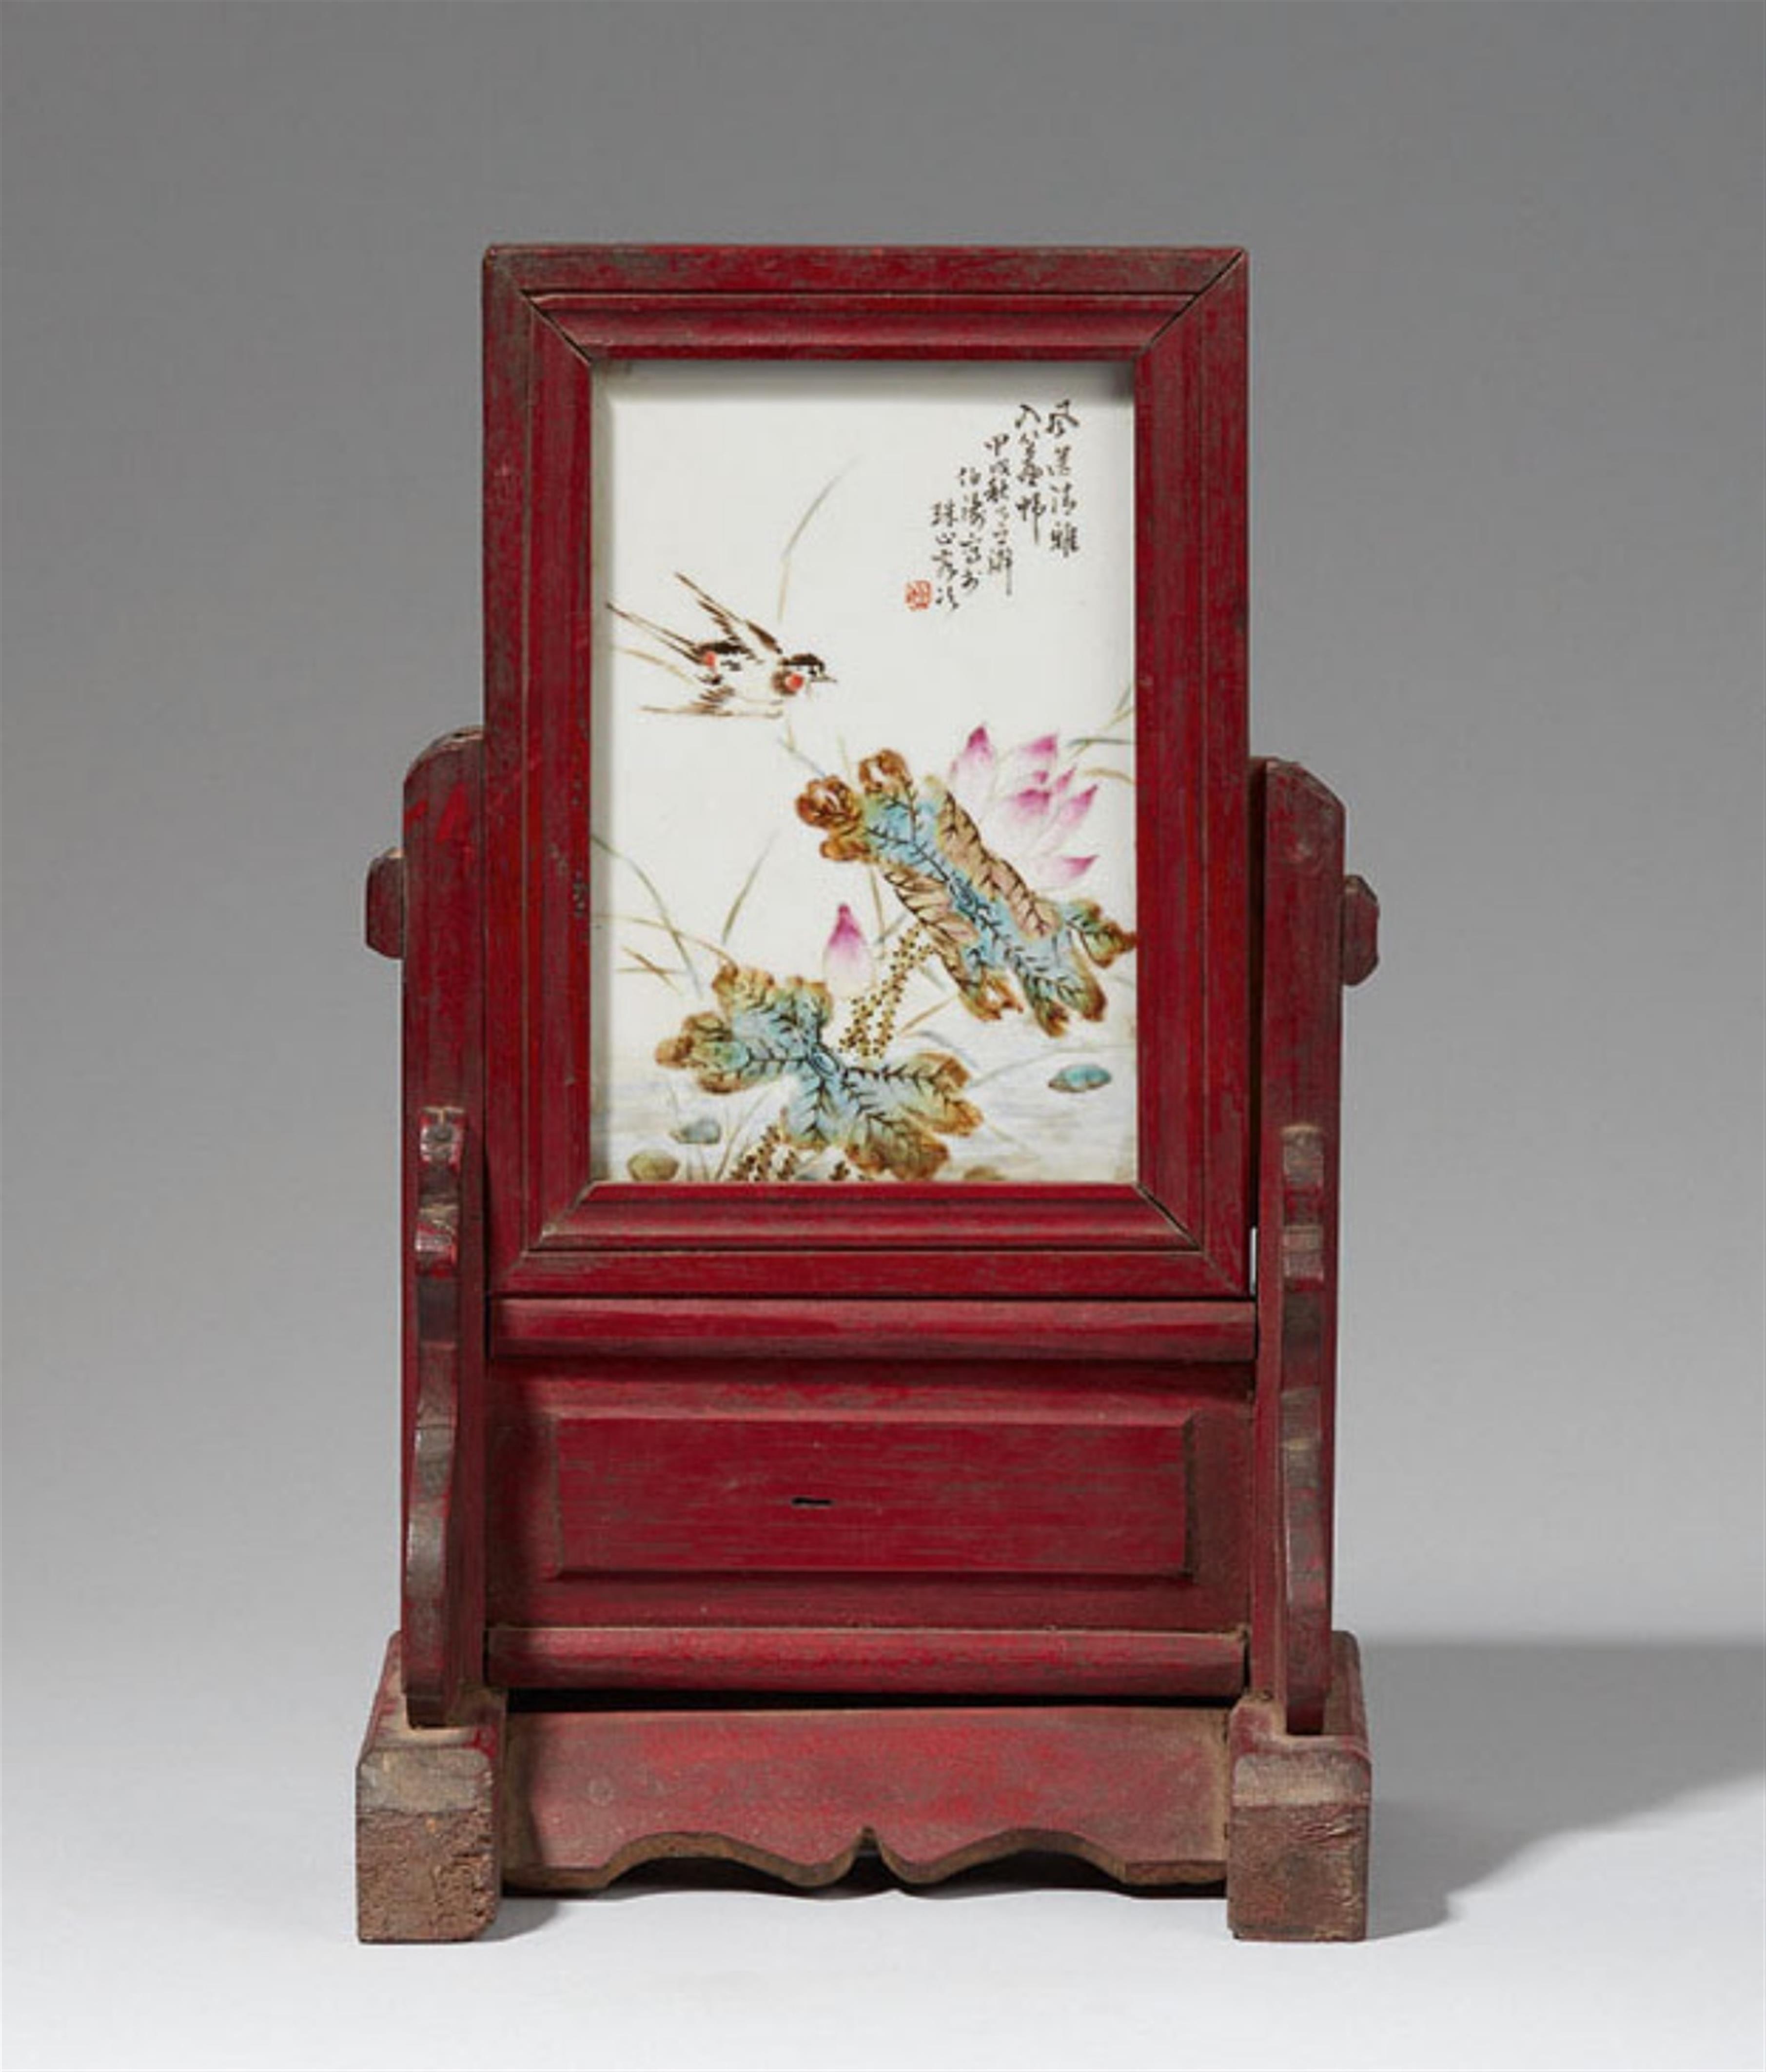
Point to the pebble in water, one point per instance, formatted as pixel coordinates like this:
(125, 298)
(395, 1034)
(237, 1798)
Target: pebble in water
(652, 1166)
(1079, 1079)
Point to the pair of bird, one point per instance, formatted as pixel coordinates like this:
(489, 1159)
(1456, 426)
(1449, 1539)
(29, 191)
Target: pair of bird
(739, 671)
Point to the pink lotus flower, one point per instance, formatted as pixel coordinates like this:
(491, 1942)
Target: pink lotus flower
(1027, 803)
(846, 963)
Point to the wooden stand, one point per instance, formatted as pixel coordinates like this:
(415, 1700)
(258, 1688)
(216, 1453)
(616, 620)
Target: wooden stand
(780, 1524)
(1270, 1792)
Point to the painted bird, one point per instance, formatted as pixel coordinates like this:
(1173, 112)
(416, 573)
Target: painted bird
(741, 672)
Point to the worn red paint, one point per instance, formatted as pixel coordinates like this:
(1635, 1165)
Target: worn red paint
(904, 1441)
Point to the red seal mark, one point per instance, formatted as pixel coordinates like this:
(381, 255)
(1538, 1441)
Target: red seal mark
(918, 594)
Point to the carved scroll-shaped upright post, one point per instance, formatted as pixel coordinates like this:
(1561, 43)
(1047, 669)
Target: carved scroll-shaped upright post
(1301, 1782)
(425, 905)
(429, 1781)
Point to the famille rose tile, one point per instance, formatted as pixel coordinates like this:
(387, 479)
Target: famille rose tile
(862, 811)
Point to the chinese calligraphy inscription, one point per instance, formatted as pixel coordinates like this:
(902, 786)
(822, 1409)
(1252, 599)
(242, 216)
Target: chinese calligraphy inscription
(1018, 494)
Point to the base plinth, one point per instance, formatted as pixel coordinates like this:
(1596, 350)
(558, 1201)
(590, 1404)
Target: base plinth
(569, 1798)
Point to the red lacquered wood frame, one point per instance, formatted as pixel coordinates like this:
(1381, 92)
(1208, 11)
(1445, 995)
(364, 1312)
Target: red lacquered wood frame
(987, 1523)
(1179, 319)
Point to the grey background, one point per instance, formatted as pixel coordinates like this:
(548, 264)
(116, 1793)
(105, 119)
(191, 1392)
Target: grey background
(1508, 469)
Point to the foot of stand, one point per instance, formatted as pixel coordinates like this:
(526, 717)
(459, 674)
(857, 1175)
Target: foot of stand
(428, 1861)
(1297, 1846)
